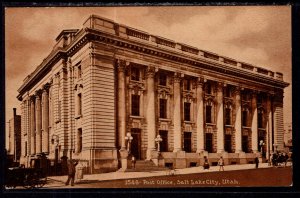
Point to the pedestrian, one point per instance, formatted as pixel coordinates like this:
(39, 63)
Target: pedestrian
(71, 171)
(256, 162)
(221, 163)
(133, 161)
(206, 163)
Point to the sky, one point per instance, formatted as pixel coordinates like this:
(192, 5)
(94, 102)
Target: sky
(259, 35)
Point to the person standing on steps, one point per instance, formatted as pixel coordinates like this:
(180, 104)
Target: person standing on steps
(256, 160)
(221, 163)
(71, 171)
(206, 163)
(133, 161)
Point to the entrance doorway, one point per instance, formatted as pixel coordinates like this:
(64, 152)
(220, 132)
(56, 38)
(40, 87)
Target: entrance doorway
(187, 142)
(136, 143)
(209, 142)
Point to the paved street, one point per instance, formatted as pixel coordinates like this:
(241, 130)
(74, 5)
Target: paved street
(234, 175)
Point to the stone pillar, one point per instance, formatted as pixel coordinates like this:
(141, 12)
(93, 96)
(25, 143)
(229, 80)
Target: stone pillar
(121, 104)
(150, 115)
(238, 125)
(254, 124)
(45, 116)
(177, 113)
(200, 116)
(269, 127)
(38, 123)
(32, 126)
(220, 119)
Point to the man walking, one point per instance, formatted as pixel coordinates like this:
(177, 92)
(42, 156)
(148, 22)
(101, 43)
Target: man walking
(221, 163)
(71, 171)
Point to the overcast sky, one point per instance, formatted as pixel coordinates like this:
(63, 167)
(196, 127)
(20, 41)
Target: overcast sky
(258, 35)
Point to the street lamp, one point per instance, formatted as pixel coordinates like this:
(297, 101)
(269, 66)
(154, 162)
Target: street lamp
(128, 138)
(158, 140)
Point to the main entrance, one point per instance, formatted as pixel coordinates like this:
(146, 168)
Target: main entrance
(136, 143)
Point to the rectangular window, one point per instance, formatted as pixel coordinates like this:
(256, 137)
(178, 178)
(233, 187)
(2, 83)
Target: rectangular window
(187, 84)
(162, 79)
(79, 140)
(25, 148)
(79, 72)
(135, 105)
(79, 104)
(227, 92)
(245, 118)
(245, 143)
(164, 143)
(135, 74)
(187, 140)
(209, 142)
(228, 143)
(260, 120)
(227, 116)
(187, 111)
(163, 108)
(208, 114)
(208, 88)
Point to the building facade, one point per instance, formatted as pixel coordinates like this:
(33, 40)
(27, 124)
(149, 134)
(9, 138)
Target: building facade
(14, 137)
(107, 82)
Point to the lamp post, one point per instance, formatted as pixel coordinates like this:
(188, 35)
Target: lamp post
(128, 138)
(261, 143)
(158, 140)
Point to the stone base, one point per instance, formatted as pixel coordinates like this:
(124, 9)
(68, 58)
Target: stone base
(243, 158)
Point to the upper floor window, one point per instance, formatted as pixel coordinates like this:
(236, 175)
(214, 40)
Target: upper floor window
(162, 79)
(227, 116)
(187, 84)
(135, 73)
(260, 118)
(187, 111)
(79, 104)
(227, 92)
(163, 108)
(208, 89)
(245, 118)
(259, 99)
(208, 117)
(79, 72)
(135, 105)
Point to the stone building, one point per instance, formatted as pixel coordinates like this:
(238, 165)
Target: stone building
(14, 137)
(107, 81)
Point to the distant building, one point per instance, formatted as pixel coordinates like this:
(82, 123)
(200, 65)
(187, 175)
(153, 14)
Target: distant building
(107, 82)
(14, 137)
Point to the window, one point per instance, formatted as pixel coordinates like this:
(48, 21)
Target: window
(259, 99)
(187, 113)
(245, 143)
(79, 107)
(228, 143)
(209, 142)
(162, 79)
(227, 92)
(164, 143)
(135, 105)
(208, 114)
(79, 140)
(227, 116)
(25, 148)
(245, 118)
(245, 95)
(187, 84)
(260, 119)
(135, 74)
(187, 142)
(163, 108)
(79, 72)
(208, 88)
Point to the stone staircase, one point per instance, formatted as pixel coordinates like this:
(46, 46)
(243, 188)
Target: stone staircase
(146, 166)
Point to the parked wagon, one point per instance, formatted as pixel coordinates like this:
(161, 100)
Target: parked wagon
(26, 177)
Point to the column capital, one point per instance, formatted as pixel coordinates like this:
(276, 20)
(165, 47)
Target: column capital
(178, 77)
(200, 81)
(150, 71)
(237, 90)
(121, 65)
(46, 87)
(220, 86)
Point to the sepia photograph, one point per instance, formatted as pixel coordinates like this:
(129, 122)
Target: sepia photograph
(148, 97)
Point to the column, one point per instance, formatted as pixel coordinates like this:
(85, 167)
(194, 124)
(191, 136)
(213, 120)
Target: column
(254, 124)
(121, 104)
(269, 127)
(200, 116)
(38, 123)
(220, 119)
(45, 116)
(150, 115)
(177, 113)
(238, 119)
(32, 126)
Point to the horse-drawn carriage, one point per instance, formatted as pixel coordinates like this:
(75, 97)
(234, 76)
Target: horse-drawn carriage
(26, 177)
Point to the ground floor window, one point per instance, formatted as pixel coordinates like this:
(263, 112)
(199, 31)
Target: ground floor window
(228, 143)
(209, 142)
(79, 140)
(245, 143)
(164, 143)
(187, 142)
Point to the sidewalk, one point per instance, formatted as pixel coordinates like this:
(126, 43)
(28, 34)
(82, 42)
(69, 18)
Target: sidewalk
(53, 180)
